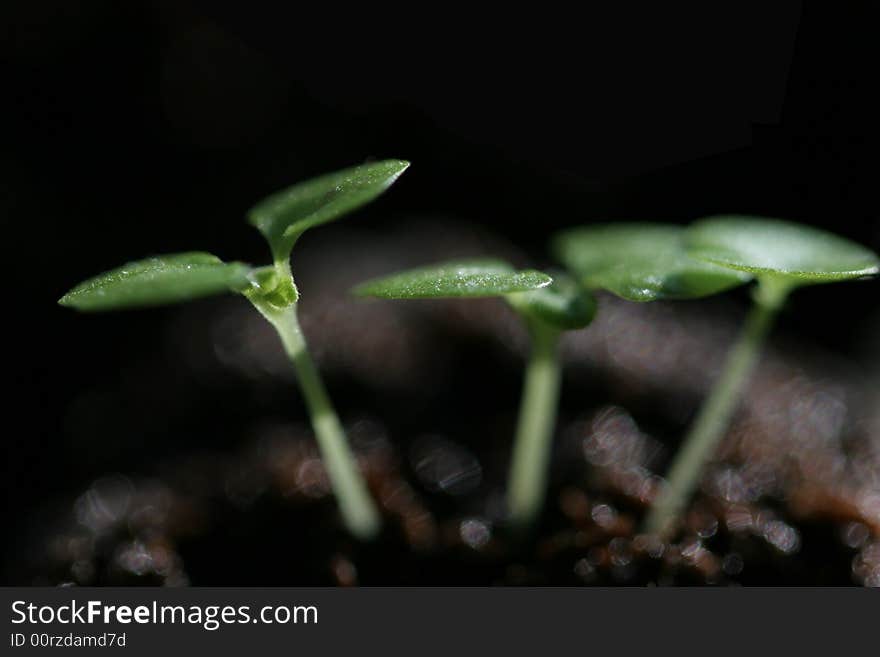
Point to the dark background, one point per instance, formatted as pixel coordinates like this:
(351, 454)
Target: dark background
(132, 128)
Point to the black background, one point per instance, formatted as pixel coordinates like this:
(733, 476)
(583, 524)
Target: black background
(132, 128)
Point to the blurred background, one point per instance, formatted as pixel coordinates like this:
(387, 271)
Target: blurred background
(136, 128)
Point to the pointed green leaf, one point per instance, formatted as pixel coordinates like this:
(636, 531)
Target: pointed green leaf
(285, 215)
(798, 254)
(159, 280)
(472, 278)
(564, 304)
(640, 262)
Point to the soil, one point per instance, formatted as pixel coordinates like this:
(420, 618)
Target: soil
(232, 491)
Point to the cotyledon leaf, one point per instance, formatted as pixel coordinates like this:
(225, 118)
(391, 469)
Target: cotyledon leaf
(468, 278)
(799, 254)
(285, 215)
(159, 280)
(640, 262)
(563, 304)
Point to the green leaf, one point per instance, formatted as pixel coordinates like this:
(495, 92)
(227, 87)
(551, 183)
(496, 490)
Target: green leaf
(471, 278)
(285, 215)
(799, 254)
(159, 280)
(640, 262)
(564, 304)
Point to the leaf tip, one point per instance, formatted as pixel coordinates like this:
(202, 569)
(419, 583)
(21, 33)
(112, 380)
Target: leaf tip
(398, 167)
(544, 280)
(362, 290)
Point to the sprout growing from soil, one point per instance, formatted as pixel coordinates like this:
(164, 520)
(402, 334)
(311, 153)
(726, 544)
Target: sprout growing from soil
(645, 262)
(781, 256)
(548, 308)
(281, 218)
(641, 262)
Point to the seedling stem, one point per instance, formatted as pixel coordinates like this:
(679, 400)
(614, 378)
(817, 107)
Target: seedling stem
(714, 417)
(355, 504)
(534, 433)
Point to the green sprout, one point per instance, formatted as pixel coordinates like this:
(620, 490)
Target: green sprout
(281, 218)
(647, 262)
(781, 256)
(641, 262)
(548, 308)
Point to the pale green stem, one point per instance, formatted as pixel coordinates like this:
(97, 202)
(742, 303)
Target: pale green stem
(355, 504)
(714, 417)
(534, 433)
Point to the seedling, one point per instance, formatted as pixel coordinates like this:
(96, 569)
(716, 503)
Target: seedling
(781, 256)
(641, 262)
(281, 218)
(548, 308)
